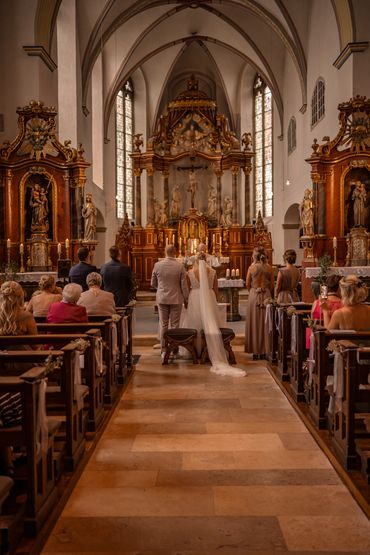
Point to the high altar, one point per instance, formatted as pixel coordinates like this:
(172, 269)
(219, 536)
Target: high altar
(340, 171)
(41, 194)
(187, 162)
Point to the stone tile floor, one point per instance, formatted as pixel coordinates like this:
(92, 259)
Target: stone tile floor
(193, 463)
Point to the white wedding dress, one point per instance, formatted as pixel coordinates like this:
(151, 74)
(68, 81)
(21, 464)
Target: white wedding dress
(203, 314)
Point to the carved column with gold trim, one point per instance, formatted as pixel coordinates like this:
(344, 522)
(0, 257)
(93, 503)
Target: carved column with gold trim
(219, 174)
(166, 191)
(150, 197)
(137, 173)
(247, 202)
(235, 173)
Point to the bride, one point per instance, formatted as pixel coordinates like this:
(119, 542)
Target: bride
(202, 314)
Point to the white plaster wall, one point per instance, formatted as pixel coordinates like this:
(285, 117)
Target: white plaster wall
(97, 122)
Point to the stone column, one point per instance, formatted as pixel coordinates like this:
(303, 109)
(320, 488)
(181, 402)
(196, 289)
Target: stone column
(137, 173)
(247, 196)
(9, 203)
(235, 171)
(219, 175)
(166, 191)
(150, 197)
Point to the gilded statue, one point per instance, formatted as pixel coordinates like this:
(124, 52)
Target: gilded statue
(359, 204)
(40, 208)
(226, 219)
(306, 212)
(89, 214)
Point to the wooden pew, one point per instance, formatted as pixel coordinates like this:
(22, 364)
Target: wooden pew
(59, 398)
(299, 353)
(40, 480)
(126, 355)
(106, 330)
(319, 397)
(94, 379)
(284, 337)
(271, 334)
(351, 403)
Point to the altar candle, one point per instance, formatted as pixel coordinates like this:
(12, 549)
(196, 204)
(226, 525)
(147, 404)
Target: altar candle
(227, 273)
(21, 249)
(67, 243)
(173, 238)
(180, 245)
(8, 243)
(59, 249)
(166, 241)
(233, 273)
(220, 241)
(237, 272)
(334, 242)
(213, 239)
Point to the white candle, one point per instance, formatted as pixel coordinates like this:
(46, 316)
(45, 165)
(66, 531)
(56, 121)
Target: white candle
(173, 238)
(228, 273)
(180, 241)
(59, 248)
(8, 243)
(334, 242)
(67, 243)
(166, 241)
(213, 239)
(237, 272)
(21, 248)
(233, 273)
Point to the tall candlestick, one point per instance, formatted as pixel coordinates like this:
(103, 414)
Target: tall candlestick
(334, 242)
(213, 238)
(173, 238)
(59, 249)
(166, 241)
(67, 243)
(8, 243)
(180, 245)
(21, 248)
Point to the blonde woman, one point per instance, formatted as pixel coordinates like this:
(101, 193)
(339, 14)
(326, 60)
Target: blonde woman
(47, 294)
(354, 315)
(14, 319)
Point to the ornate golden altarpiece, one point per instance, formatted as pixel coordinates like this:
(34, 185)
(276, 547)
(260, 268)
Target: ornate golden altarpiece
(192, 139)
(339, 169)
(41, 193)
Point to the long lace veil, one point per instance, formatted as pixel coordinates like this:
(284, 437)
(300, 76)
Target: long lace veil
(209, 315)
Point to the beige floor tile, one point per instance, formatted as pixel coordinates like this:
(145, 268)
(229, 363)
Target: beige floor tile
(130, 501)
(284, 500)
(255, 427)
(330, 533)
(207, 442)
(117, 478)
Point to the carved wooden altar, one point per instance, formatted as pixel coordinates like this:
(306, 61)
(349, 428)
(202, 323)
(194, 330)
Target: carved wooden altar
(41, 193)
(185, 162)
(341, 189)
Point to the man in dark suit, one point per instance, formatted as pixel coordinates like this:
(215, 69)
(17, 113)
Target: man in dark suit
(79, 272)
(117, 278)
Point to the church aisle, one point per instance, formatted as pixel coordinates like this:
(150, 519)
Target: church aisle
(193, 463)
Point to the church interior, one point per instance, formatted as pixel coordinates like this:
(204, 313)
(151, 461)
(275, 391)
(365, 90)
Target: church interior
(234, 125)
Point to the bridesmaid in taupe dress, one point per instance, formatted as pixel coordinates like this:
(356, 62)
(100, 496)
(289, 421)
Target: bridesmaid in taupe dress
(288, 279)
(260, 283)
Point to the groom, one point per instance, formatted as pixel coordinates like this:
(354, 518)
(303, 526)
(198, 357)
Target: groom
(169, 279)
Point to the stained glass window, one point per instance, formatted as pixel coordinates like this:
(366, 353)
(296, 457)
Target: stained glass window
(124, 136)
(318, 102)
(263, 185)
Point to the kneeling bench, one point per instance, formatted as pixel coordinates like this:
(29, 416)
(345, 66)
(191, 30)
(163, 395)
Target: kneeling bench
(227, 336)
(180, 337)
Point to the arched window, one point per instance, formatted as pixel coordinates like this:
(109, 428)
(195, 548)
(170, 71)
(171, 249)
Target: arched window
(292, 135)
(263, 192)
(124, 135)
(318, 102)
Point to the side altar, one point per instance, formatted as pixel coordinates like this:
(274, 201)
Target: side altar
(44, 217)
(192, 162)
(335, 213)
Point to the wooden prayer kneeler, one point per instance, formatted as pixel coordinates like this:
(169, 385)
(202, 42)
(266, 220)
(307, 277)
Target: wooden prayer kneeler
(180, 337)
(227, 336)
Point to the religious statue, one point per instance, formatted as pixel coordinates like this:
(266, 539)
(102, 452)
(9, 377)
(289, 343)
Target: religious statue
(359, 204)
(175, 202)
(162, 217)
(306, 211)
(192, 187)
(40, 208)
(226, 219)
(156, 205)
(89, 213)
(247, 141)
(212, 202)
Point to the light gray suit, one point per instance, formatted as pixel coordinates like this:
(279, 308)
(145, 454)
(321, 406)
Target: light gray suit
(169, 278)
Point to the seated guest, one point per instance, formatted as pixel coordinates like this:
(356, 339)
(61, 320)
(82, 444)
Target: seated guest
(14, 320)
(47, 294)
(79, 272)
(288, 279)
(333, 302)
(354, 315)
(67, 310)
(96, 301)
